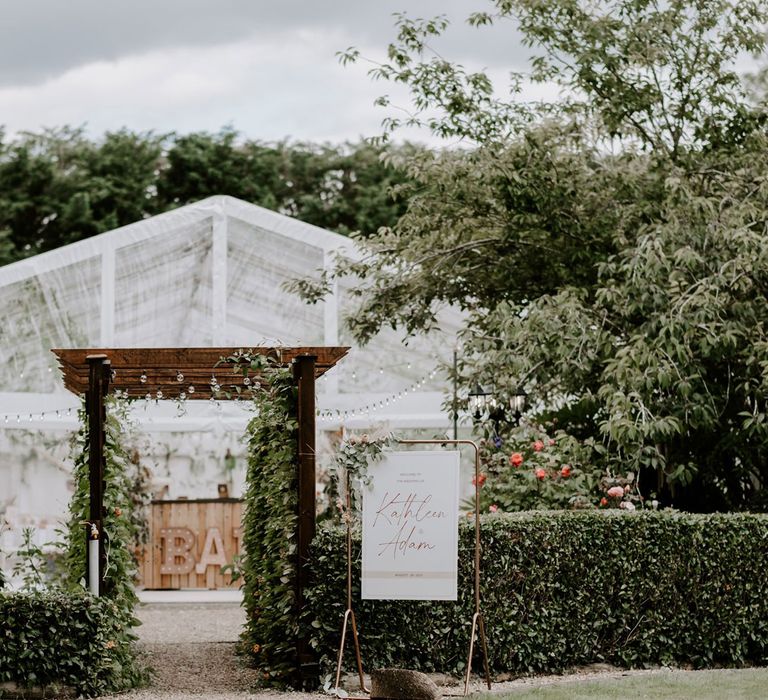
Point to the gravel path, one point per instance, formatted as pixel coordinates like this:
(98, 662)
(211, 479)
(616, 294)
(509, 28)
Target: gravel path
(192, 649)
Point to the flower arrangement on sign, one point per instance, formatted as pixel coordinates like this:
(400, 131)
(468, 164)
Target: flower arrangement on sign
(351, 466)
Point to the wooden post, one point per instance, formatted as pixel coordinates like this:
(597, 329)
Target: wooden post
(304, 375)
(99, 374)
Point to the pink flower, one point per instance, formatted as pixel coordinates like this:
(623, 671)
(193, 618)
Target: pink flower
(516, 459)
(603, 501)
(541, 474)
(538, 446)
(478, 481)
(626, 489)
(551, 442)
(616, 492)
(565, 472)
(493, 508)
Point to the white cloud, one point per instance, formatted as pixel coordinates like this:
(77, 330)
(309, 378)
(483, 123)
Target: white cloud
(267, 76)
(288, 85)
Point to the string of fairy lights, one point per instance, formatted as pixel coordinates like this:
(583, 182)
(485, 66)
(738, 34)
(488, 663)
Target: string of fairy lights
(24, 417)
(324, 415)
(377, 405)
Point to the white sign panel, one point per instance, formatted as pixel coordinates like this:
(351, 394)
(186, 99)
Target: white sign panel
(410, 527)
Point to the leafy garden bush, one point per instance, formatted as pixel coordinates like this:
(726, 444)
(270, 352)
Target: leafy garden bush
(269, 526)
(567, 588)
(534, 467)
(53, 632)
(60, 638)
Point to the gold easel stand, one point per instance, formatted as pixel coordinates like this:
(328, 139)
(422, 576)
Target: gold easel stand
(478, 623)
(349, 614)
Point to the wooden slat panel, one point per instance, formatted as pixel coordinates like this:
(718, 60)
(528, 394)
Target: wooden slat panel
(157, 523)
(162, 364)
(198, 516)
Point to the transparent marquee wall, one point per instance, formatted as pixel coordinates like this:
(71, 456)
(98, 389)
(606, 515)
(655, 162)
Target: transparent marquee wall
(207, 274)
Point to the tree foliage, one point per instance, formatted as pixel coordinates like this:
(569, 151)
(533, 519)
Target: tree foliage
(58, 186)
(609, 249)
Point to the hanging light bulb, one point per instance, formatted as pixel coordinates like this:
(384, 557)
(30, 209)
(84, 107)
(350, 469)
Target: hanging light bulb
(191, 389)
(247, 381)
(183, 396)
(143, 377)
(179, 377)
(159, 394)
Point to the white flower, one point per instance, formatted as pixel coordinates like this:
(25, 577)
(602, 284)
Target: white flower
(627, 505)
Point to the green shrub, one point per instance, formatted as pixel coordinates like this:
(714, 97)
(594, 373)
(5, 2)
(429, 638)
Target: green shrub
(568, 588)
(270, 519)
(64, 638)
(121, 528)
(534, 467)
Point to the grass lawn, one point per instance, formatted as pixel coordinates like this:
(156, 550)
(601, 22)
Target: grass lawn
(727, 684)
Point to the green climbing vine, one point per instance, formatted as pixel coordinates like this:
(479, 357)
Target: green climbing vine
(123, 529)
(269, 521)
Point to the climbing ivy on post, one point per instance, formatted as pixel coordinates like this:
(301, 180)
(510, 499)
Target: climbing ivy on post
(121, 526)
(269, 524)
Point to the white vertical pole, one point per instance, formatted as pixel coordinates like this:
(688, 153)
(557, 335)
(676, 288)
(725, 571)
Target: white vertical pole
(330, 383)
(107, 336)
(93, 566)
(219, 282)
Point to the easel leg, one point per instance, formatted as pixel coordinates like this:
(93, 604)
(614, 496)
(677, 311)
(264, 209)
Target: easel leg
(485, 652)
(349, 613)
(471, 650)
(358, 655)
(341, 648)
(478, 625)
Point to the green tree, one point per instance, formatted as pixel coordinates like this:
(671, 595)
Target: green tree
(58, 186)
(341, 188)
(609, 249)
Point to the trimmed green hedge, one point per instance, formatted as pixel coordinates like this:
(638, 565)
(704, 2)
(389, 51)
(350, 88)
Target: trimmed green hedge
(568, 588)
(64, 639)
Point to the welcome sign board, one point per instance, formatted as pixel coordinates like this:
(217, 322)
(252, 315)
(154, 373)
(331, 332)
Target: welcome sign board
(410, 527)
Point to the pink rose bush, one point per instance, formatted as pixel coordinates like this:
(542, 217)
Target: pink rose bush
(533, 468)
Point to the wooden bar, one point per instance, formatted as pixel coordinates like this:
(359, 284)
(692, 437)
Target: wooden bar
(160, 367)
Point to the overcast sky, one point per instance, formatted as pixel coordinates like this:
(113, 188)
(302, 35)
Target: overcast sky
(266, 67)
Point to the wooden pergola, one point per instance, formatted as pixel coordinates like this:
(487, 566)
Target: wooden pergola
(173, 373)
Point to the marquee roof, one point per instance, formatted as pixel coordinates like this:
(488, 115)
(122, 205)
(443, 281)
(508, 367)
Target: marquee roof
(209, 274)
